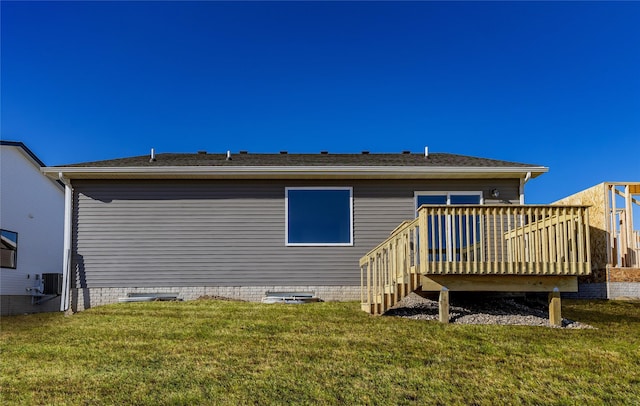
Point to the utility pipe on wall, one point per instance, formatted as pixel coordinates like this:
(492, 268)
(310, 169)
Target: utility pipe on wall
(66, 261)
(523, 181)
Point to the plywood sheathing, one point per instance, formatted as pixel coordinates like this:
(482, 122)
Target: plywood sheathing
(596, 198)
(624, 275)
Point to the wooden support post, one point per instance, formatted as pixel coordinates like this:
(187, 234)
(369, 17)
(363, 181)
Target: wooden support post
(555, 315)
(443, 305)
(388, 301)
(403, 290)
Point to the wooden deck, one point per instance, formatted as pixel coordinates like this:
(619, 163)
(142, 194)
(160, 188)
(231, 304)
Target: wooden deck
(512, 248)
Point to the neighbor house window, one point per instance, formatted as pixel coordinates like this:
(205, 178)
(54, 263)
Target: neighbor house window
(9, 251)
(319, 216)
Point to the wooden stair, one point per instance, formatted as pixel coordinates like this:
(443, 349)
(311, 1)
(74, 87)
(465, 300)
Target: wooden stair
(392, 293)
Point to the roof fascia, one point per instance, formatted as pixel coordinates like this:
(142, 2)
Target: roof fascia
(33, 158)
(289, 172)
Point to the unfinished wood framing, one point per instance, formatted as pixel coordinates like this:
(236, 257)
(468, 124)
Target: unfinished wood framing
(615, 241)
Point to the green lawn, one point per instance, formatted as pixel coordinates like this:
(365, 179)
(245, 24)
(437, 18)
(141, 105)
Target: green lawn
(219, 352)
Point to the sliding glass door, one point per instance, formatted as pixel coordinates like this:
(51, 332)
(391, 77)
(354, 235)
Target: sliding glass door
(450, 236)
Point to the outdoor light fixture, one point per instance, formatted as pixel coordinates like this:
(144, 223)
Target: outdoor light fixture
(495, 193)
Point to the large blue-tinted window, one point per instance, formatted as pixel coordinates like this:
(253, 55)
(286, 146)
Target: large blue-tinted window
(319, 216)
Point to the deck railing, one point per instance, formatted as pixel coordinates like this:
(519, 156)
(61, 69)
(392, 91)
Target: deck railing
(391, 268)
(477, 240)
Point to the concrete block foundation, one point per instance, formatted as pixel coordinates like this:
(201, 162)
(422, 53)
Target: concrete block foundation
(82, 299)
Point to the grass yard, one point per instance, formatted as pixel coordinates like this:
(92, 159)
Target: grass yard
(219, 352)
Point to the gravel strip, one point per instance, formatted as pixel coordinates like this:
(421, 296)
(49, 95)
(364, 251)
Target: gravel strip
(477, 310)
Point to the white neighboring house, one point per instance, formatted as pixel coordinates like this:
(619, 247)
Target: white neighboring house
(31, 229)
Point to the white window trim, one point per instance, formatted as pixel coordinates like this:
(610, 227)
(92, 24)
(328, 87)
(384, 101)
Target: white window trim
(322, 244)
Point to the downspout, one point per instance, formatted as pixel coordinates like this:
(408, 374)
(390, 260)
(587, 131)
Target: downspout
(66, 264)
(523, 181)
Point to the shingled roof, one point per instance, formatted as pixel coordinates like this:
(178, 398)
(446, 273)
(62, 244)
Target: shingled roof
(325, 165)
(244, 159)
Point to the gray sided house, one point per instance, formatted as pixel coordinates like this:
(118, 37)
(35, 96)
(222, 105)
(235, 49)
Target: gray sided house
(243, 224)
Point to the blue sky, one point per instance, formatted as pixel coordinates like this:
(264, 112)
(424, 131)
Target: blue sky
(554, 84)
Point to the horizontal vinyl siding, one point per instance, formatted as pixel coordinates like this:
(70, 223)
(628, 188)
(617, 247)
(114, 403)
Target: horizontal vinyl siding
(224, 233)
